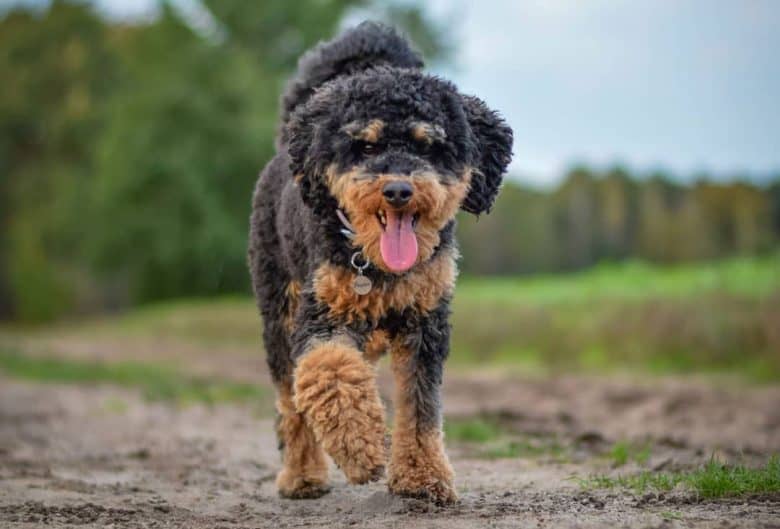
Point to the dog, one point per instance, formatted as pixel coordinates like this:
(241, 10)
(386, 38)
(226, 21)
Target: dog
(352, 254)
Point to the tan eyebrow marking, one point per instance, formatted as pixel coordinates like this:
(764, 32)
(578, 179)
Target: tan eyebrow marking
(370, 132)
(428, 133)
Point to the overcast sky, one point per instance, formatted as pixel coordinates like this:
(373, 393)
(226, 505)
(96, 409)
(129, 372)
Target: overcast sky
(685, 85)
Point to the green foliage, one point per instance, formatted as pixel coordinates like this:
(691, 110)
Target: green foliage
(57, 70)
(434, 39)
(130, 149)
(128, 152)
(177, 188)
(713, 480)
(156, 383)
(276, 32)
(594, 217)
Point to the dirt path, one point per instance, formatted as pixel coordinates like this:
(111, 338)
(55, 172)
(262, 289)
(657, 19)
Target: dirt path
(74, 456)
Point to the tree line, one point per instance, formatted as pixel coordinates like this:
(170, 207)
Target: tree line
(129, 149)
(611, 215)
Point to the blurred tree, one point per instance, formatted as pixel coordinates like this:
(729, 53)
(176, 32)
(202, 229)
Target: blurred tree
(655, 225)
(435, 40)
(577, 214)
(56, 69)
(276, 32)
(774, 199)
(179, 184)
(618, 214)
(132, 147)
(751, 209)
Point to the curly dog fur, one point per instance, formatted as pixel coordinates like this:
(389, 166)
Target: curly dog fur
(367, 136)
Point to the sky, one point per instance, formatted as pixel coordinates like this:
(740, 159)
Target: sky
(686, 86)
(683, 85)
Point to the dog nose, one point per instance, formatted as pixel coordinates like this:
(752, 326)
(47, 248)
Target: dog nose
(397, 193)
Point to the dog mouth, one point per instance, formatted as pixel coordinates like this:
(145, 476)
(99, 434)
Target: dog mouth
(398, 243)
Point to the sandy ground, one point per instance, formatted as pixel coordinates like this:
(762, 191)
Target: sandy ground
(86, 456)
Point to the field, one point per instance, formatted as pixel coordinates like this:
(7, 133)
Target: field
(625, 395)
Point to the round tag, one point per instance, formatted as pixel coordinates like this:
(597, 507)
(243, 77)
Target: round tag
(361, 285)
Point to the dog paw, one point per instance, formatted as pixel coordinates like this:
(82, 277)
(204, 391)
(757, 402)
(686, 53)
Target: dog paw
(300, 487)
(437, 491)
(359, 475)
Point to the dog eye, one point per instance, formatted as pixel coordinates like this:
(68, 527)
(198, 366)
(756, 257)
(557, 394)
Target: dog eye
(369, 149)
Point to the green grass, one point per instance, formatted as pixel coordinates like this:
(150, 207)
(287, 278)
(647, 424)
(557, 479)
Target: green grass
(619, 454)
(513, 448)
(623, 451)
(755, 277)
(716, 480)
(713, 480)
(231, 320)
(156, 382)
(471, 430)
(702, 318)
(489, 440)
(711, 317)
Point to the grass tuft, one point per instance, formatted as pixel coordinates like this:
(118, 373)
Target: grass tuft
(622, 452)
(639, 483)
(713, 480)
(716, 479)
(471, 430)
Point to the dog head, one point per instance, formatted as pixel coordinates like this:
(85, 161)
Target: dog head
(400, 152)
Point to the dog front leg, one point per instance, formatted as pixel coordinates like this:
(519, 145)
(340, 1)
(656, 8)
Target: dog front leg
(419, 466)
(336, 391)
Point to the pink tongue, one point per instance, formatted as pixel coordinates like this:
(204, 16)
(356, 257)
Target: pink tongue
(398, 243)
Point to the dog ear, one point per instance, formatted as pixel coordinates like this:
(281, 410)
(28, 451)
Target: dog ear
(494, 152)
(300, 133)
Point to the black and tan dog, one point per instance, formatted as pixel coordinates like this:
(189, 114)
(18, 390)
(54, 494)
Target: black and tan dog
(352, 254)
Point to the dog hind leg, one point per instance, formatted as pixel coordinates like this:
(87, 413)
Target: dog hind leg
(305, 471)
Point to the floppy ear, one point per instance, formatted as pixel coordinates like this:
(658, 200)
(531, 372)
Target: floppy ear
(301, 133)
(494, 152)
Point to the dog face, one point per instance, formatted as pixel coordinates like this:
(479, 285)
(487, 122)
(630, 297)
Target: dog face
(400, 152)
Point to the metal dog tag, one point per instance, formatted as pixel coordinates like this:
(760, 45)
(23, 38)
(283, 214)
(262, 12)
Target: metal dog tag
(361, 285)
